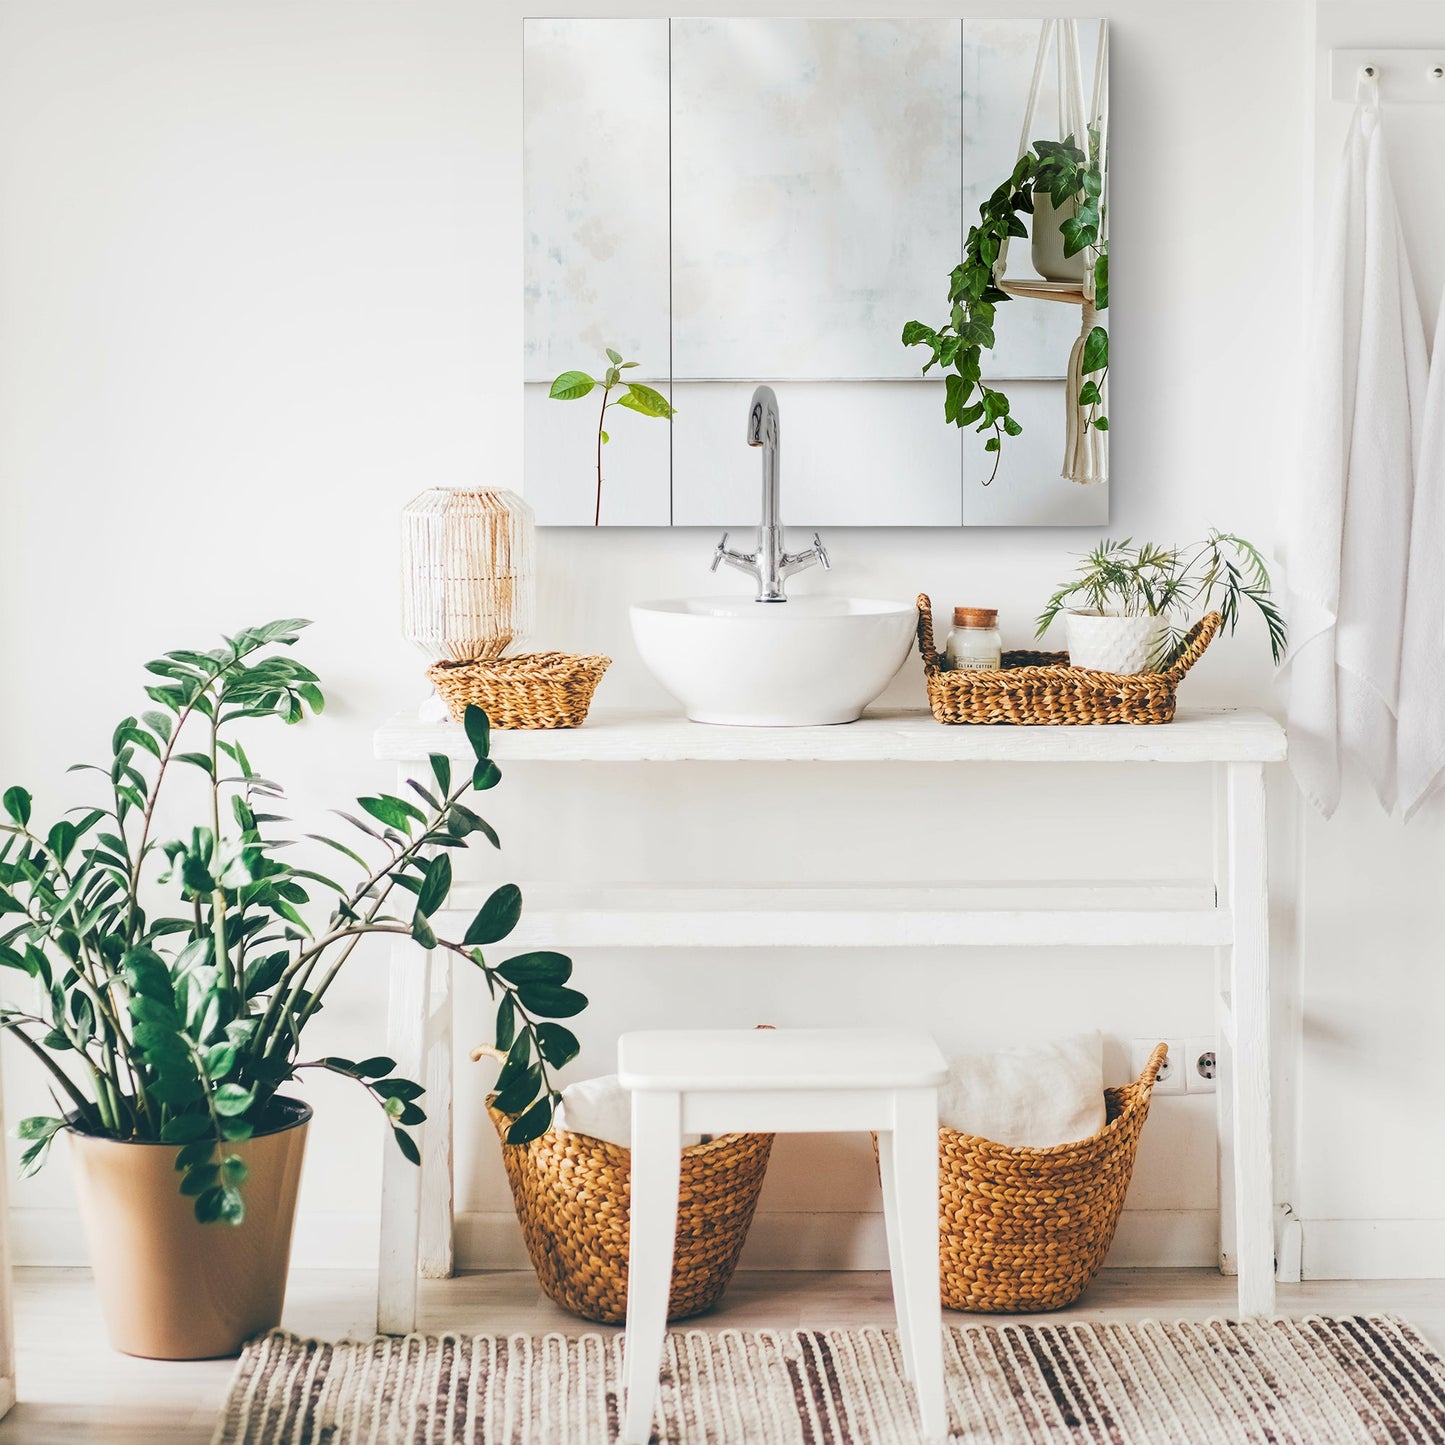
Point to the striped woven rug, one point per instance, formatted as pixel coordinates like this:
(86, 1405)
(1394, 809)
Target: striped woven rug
(1315, 1381)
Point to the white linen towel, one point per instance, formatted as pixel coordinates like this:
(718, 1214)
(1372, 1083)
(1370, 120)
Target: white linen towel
(1345, 528)
(1421, 737)
(602, 1108)
(1029, 1095)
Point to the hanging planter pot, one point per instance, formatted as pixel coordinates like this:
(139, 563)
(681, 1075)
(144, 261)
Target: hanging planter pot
(170, 1287)
(1103, 642)
(1047, 241)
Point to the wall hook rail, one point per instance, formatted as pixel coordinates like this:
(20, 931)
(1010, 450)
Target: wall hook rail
(1405, 77)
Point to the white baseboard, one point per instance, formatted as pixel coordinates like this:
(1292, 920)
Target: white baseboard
(1147, 1238)
(1373, 1249)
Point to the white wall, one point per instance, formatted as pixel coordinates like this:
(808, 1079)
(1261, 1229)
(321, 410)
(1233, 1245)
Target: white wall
(260, 282)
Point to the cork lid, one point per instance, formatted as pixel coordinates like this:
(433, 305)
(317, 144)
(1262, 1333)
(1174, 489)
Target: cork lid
(975, 616)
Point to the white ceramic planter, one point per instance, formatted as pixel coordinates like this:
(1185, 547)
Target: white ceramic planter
(1112, 644)
(1047, 241)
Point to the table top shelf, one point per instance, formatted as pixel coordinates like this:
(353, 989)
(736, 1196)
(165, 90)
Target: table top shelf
(1197, 735)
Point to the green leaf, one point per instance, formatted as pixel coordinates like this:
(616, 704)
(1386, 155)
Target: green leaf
(478, 728)
(200, 1179)
(496, 918)
(232, 1099)
(374, 1067)
(991, 445)
(915, 332)
(486, 775)
(539, 967)
(220, 1060)
(604, 437)
(519, 1092)
(403, 1089)
(196, 1153)
(1089, 394)
(1096, 350)
(613, 357)
(186, 1129)
(558, 1046)
(39, 1126)
(571, 386)
(1101, 282)
(394, 812)
(422, 931)
(550, 1000)
(17, 803)
(407, 1145)
(506, 1022)
(533, 1124)
(1012, 427)
(441, 767)
(435, 886)
(1102, 424)
(645, 400)
(234, 1171)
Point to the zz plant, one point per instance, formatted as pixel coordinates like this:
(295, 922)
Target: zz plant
(1074, 183)
(634, 395)
(173, 980)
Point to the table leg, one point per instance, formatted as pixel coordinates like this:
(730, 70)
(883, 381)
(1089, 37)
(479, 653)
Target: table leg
(1249, 1003)
(656, 1173)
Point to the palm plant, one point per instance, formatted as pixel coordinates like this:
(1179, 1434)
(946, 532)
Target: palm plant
(1223, 572)
(173, 980)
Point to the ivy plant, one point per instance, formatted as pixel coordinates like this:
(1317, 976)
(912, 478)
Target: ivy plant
(1223, 571)
(1073, 180)
(634, 395)
(171, 982)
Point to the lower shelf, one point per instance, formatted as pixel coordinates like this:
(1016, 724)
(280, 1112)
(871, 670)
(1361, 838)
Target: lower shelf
(854, 916)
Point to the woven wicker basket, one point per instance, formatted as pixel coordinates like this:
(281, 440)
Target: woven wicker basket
(530, 690)
(1028, 1229)
(573, 1192)
(1041, 688)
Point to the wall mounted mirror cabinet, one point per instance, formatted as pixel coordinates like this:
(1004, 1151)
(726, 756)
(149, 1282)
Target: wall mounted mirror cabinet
(899, 225)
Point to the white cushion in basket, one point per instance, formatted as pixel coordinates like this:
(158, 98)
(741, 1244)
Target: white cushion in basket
(601, 1108)
(1028, 1095)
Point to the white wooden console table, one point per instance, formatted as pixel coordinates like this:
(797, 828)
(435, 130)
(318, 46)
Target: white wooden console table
(1228, 913)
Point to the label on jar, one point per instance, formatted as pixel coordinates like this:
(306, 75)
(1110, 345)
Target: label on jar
(975, 664)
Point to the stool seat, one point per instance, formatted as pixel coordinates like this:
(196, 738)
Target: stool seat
(708, 1059)
(717, 1081)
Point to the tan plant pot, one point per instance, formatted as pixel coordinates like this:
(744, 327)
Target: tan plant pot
(173, 1289)
(1047, 241)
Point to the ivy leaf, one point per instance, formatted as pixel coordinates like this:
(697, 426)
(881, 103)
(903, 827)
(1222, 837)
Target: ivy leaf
(1089, 394)
(1096, 350)
(571, 386)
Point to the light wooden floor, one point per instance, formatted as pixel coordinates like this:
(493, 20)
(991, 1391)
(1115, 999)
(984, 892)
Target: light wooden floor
(74, 1388)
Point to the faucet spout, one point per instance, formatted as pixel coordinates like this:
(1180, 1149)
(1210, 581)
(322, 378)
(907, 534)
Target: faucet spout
(772, 564)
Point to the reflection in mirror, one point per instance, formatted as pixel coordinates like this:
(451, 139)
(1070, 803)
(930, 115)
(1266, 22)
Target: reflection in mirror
(899, 225)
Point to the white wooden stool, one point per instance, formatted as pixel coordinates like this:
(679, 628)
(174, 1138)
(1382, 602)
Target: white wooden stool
(723, 1081)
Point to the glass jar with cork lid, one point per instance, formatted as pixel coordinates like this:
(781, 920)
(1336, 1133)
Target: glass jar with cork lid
(975, 645)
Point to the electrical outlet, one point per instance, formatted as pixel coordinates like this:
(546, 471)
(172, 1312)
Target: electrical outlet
(1201, 1065)
(1170, 1078)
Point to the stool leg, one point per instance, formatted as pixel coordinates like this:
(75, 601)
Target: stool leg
(886, 1177)
(656, 1167)
(915, 1174)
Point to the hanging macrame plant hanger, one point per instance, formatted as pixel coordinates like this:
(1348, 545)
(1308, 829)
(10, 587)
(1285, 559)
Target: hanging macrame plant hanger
(1086, 449)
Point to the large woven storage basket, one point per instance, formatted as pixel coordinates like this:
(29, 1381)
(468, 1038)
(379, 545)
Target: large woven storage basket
(1028, 1229)
(530, 690)
(1033, 688)
(573, 1193)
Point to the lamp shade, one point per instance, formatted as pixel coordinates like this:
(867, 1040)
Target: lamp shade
(467, 576)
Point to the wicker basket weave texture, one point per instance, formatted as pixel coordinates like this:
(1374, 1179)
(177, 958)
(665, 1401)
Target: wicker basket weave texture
(572, 1193)
(1040, 688)
(530, 690)
(1028, 1229)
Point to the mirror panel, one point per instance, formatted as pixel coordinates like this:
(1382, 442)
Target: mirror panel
(733, 201)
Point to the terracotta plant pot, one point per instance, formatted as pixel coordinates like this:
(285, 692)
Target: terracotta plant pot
(173, 1289)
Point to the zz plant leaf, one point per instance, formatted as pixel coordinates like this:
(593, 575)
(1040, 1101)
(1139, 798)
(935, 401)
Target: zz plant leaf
(177, 977)
(633, 395)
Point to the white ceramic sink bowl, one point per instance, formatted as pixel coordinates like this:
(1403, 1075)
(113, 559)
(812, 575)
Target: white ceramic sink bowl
(800, 663)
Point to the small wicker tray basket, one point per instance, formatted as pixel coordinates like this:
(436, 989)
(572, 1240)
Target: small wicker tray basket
(1035, 688)
(1028, 1229)
(530, 690)
(572, 1193)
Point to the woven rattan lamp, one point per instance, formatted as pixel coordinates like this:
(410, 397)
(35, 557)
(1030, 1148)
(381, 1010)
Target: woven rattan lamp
(467, 584)
(467, 596)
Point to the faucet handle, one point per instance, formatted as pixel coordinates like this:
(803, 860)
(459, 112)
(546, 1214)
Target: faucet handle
(720, 552)
(822, 552)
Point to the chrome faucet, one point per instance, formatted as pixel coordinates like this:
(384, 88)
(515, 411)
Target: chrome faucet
(771, 564)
